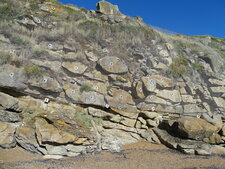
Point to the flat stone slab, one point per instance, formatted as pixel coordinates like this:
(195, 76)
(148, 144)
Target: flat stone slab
(74, 67)
(112, 64)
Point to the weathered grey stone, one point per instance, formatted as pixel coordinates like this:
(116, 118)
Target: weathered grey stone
(220, 102)
(150, 115)
(188, 99)
(172, 95)
(219, 89)
(112, 144)
(7, 139)
(146, 107)
(193, 109)
(217, 82)
(155, 99)
(91, 56)
(149, 135)
(10, 103)
(99, 113)
(46, 83)
(53, 65)
(107, 8)
(149, 84)
(26, 138)
(92, 98)
(12, 77)
(113, 65)
(152, 123)
(8, 116)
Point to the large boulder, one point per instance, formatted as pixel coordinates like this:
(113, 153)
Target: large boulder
(8, 116)
(107, 8)
(196, 128)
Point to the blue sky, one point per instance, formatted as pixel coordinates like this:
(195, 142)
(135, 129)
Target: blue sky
(190, 17)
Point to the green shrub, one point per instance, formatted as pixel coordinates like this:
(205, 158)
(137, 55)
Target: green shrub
(32, 71)
(5, 57)
(197, 66)
(18, 41)
(34, 5)
(10, 9)
(179, 67)
(86, 88)
(85, 119)
(39, 53)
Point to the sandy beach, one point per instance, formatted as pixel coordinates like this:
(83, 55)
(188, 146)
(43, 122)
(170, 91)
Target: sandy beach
(140, 155)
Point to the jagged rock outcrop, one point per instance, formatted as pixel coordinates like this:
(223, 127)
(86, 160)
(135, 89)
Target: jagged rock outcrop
(74, 82)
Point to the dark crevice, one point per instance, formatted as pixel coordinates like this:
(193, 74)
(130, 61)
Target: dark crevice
(12, 92)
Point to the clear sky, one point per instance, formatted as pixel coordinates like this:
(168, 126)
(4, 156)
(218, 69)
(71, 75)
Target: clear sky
(190, 17)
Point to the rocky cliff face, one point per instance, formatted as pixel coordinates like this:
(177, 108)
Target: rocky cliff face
(74, 81)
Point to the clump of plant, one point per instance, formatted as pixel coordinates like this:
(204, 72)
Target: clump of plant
(86, 119)
(32, 71)
(18, 41)
(8, 58)
(9, 9)
(179, 67)
(197, 66)
(38, 53)
(31, 112)
(86, 88)
(5, 57)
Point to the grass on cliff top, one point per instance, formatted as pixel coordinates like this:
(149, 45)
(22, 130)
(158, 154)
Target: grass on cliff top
(97, 30)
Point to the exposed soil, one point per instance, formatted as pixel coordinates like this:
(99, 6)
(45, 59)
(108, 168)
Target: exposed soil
(141, 155)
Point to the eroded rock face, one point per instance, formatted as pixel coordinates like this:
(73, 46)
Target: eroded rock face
(12, 77)
(48, 133)
(82, 88)
(9, 102)
(7, 139)
(112, 64)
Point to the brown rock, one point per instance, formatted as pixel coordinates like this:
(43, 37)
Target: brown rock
(112, 64)
(196, 128)
(48, 133)
(162, 81)
(149, 84)
(121, 96)
(74, 67)
(139, 90)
